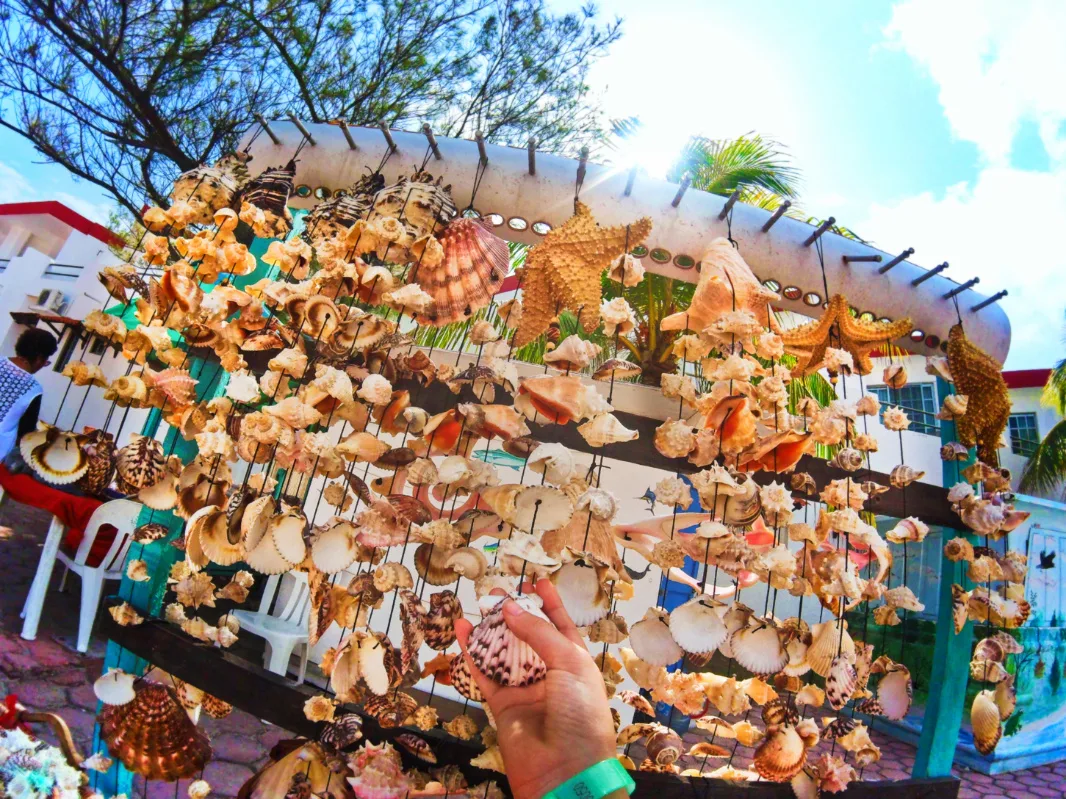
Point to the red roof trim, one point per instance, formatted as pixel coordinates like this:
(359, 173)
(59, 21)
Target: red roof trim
(65, 215)
(1026, 378)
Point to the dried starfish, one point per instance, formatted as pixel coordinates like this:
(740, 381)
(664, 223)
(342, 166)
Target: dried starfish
(978, 377)
(726, 284)
(563, 271)
(839, 328)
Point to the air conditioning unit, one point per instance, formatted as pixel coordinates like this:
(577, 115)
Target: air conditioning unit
(52, 301)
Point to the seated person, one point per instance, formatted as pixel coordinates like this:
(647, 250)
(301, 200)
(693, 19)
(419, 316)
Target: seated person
(20, 405)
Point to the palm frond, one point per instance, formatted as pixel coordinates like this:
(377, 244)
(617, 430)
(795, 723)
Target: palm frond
(1054, 395)
(620, 131)
(721, 166)
(1047, 468)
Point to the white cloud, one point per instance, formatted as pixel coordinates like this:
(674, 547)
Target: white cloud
(14, 187)
(997, 64)
(97, 212)
(1001, 228)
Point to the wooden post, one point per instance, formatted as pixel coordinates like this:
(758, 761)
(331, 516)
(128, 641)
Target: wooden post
(951, 657)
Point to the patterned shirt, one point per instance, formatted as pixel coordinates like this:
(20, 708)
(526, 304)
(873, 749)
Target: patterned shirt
(18, 388)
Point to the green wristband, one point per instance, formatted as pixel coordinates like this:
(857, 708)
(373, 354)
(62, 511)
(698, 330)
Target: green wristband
(595, 782)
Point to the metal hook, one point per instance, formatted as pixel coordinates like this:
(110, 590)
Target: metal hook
(999, 295)
(582, 163)
(959, 289)
(427, 131)
(903, 256)
(936, 270)
(531, 149)
(388, 137)
(266, 127)
(777, 214)
(866, 259)
(630, 181)
(484, 156)
(817, 234)
(686, 181)
(729, 204)
(347, 134)
(300, 127)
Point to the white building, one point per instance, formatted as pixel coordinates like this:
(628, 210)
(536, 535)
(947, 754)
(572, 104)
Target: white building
(49, 258)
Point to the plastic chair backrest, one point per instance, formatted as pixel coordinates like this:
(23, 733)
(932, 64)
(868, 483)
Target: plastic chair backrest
(298, 604)
(122, 515)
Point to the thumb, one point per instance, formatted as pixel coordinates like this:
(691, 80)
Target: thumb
(554, 648)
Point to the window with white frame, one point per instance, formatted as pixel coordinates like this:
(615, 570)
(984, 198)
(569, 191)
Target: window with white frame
(1024, 435)
(918, 399)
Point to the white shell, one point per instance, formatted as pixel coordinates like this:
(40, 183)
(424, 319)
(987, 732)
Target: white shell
(334, 548)
(696, 626)
(540, 508)
(579, 588)
(758, 648)
(554, 461)
(115, 687)
(651, 640)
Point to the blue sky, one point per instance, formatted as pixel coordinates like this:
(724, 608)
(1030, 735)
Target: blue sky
(936, 124)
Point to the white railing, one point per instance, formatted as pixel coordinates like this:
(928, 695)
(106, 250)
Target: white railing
(63, 271)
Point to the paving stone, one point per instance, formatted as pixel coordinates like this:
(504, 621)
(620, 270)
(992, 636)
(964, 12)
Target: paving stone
(1048, 791)
(968, 793)
(236, 748)
(82, 723)
(84, 697)
(270, 736)
(894, 774)
(226, 778)
(69, 677)
(49, 654)
(239, 722)
(41, 694)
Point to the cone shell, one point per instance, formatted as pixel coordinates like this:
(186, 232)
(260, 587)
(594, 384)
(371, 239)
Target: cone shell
(696, 626)
(651, 639)
(985, 722)
(841, 683)
(499, 654)
(153, 736)
(781, 754)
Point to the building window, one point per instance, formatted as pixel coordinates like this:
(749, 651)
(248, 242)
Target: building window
(66, 349)
(918, 399)
(1024, 435)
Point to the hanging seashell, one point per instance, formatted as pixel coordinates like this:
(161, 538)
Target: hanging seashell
(986, 722)
(894, 692)
(572, 355)
(827, 638)
(895, 375)
(140, 464)
(151, 735)
(604, 429)
(911, 529)
(651, 639)
(664, 747)
(115, 687)
(554, 461)
(903, 475)
(580, 588)
(438, 626)
(954, 407)
(848, 459)
(497, 652)
(696, 625)
(674, 439)
(841, 683)
(55, 455)
(781, 755)
(758, 648)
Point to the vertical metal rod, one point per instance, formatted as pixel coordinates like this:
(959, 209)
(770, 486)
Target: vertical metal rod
(729, 205)
(582, 163)
(936, 270)
(817, 234)
(630, 181)
(531, 148)
(347, 134)
(480, 139)
(903, 256)
(999, 295)
(427, 131)
(273, 136)
(686, 181)
(855, 259)
(777, 214)
(959, 289)
(388, 136)
(300, 127)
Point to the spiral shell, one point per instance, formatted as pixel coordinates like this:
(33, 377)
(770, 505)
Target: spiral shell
(674, 438)
(903, 475)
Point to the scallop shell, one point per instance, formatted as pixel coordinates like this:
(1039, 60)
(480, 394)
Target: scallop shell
(334, 548)
(604, 429)
(56, 456)
(115, 687)
(539, 509)
(826, 643)
(1006, 697)
(416, 746)
(582, 594)
(697, 627)
(651, 639)
(140, 464)
(758, 648)
(894, 693)
(431, 563)
(498, 653)
(554, 461)
(986, 722)
(841, 683)
(781, 755)
(286, 531)
(153, 736)
(463, 681)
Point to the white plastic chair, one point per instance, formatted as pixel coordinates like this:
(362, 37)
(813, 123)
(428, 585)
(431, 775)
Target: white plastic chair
(284, 631)
(122, 515)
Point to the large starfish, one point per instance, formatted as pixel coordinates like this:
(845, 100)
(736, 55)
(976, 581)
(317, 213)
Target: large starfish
(563, 271)
(978, 376)
(841, 329)
(726, 284)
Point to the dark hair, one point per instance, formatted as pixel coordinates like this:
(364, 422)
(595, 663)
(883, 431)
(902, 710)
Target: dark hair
(36, 344)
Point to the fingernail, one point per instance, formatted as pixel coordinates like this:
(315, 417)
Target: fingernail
(512, 608)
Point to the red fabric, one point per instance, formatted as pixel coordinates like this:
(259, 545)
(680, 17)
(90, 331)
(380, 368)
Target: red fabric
(72, 511)
(9, 719)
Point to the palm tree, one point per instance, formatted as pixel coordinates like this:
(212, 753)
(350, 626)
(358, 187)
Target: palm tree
(1046, 469)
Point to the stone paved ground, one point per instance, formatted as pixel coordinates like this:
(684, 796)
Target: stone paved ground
(48, 676)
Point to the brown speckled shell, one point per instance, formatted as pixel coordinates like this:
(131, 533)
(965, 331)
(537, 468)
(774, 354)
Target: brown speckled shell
(439, 623)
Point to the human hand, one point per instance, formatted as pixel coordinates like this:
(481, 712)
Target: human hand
(559, 726)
